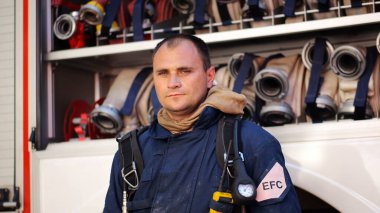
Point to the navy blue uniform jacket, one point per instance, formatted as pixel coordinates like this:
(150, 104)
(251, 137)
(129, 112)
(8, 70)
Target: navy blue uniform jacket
(181, 171)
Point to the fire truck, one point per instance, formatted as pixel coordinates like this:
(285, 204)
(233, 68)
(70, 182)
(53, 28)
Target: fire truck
(49, 162)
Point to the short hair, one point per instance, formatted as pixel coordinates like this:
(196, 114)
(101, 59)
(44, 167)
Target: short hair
(199, 44)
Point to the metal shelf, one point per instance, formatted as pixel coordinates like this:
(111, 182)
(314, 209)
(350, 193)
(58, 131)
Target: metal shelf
(137, 53)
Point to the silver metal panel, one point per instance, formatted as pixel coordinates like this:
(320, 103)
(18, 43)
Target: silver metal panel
(7, 88)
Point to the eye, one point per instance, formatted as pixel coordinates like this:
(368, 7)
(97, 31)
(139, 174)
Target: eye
(161, 72)
(185, 71)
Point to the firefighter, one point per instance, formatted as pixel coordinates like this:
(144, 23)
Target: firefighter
(181, 172)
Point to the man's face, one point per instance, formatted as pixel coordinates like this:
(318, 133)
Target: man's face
(181, 82)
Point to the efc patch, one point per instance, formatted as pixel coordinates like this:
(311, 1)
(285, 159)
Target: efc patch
(273, 184)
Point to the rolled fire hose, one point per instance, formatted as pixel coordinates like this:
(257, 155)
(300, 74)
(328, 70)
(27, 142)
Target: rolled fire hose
(118, 109)
(356, 83)
(68, 27)
(65, 25)
(115, 29)
(227, 76)
(356, 7)
(224, 78)
(137, 20)
(124, 16)
(257, 9)
(243, 80)
(323, 8)
(321, 82)
(184, 6)
(144, 106)
(93, 12)
(225, 13)
(374, 85)
(280, 85)
(307, 54)
(292, 6)
(201, 16)
(327, 100)
(164, 10)
(235, 61)
(102, 12)
(133, 112)
(348, 62)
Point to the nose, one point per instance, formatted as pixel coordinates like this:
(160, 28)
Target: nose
(174, 81)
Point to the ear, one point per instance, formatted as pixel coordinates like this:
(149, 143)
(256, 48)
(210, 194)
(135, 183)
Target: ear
(210, 76)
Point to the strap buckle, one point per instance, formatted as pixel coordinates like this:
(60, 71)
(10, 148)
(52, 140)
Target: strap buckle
(132, 173)
(230, 163)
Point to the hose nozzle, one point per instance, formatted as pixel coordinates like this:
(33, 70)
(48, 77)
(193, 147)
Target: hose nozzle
(348, 62)
(92, 12)
(271, 84)
(65, 25)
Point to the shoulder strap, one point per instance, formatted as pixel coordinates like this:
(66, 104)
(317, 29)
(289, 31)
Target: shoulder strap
(225, 135)
(229, 142)
(131, 158)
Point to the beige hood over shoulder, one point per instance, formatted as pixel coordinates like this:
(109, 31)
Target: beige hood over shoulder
(218, 97)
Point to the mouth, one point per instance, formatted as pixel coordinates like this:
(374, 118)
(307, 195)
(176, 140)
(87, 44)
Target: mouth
(174, 94)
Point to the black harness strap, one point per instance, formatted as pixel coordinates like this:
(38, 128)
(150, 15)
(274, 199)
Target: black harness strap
(137, 153)
(131, 159)
(224, 149)
(315, 80)
(360, 100)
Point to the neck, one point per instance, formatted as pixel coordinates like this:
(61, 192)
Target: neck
(179, 116)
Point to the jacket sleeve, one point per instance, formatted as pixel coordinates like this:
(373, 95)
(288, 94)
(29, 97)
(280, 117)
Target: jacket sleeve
(114, 195)
(265, 164)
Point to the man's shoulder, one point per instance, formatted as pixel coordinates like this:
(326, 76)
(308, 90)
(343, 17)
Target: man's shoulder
(251, 128)
(256, 136)
(143, 133)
